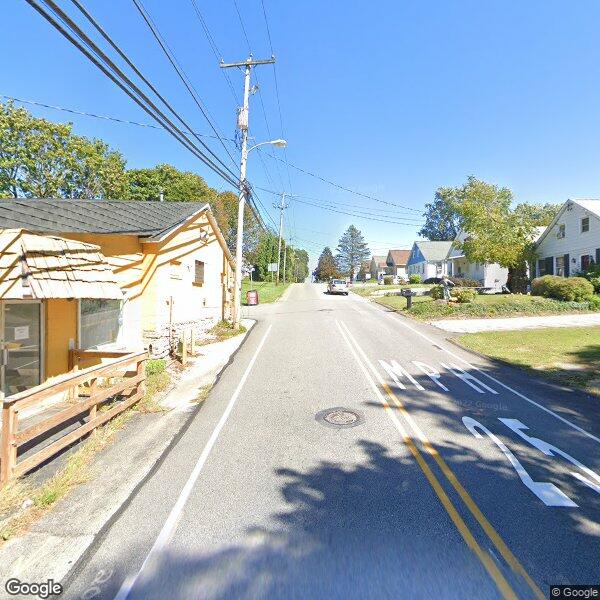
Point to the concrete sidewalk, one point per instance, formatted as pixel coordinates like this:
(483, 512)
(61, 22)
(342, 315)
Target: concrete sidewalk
(52, 545)
(512, 323)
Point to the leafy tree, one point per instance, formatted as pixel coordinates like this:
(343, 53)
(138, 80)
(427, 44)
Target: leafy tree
(41, 159)
(540, 215)
(300, 266)
(264, 253)
(327, 267)
(175, 185)
(442, 222)
(495, 232)
(351, 251)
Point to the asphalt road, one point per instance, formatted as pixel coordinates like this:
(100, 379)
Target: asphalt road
(458, 479)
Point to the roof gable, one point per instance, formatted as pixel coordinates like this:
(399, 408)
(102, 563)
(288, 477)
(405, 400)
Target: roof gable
(398, 257)
(590, 205)
(434, 251)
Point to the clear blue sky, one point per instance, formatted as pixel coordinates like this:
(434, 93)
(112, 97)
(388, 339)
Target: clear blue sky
(392, 99)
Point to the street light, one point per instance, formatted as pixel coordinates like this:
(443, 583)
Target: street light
(240, 228)
(277, 143)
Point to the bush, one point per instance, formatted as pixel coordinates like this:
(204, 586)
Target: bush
(388, 280)
(155, 366)
(594, 303)
(464, 296)
(465, 282)
(437, 292)
(567, 289)
(592, 274)
(415, 278)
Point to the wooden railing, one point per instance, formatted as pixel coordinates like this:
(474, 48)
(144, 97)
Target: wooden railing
(95, 395)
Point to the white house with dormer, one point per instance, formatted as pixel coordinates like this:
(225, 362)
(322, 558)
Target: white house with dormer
(572, 241)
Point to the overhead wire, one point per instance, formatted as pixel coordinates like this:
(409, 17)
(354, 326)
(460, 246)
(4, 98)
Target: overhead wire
(89, 49)
(180, 72)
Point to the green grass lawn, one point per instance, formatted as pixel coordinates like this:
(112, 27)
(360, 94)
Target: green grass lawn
(368, 290)
(267, 291)
(568, 355)
(484, 306)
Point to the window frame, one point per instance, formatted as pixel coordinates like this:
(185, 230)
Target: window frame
(195, 280)
(561, 268)
(106, 345)
(587, 219)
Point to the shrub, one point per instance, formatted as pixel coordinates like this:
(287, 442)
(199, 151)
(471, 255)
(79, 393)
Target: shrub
(594, 303)
(437, 292)
(569, 289)
(464, 296)
(465, 282)
(415, 278)
(388, 280)
(155, 366)
(592, 274)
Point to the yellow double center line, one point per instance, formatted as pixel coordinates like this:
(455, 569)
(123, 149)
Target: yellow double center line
(490, 566)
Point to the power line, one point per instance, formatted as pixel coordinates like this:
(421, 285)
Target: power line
(337, 185)
(386, 212)
(95, 116)
(213, 44)
(358, 216)
(237, 10)
(182, 75)
(107, 66)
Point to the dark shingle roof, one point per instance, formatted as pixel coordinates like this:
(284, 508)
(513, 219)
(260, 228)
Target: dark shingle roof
(95, 216)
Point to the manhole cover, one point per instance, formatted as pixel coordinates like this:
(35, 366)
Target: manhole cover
(339, 417)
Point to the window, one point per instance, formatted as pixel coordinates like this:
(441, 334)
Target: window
(585, 224)
(198, 272)
(561, 232)
(560, 266)
(585, 262)
(100, 322)
(176, 269)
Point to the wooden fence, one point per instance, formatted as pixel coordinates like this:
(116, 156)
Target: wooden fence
(88, 397)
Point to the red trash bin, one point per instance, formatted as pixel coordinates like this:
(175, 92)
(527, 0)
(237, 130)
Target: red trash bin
(252, 297)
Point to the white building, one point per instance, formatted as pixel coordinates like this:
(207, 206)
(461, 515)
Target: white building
(396, 261)
(490, 275)
(572, 241)
(429, 259)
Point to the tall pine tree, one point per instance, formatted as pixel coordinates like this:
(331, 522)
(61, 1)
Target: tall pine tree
(326, 267)
(351, 251)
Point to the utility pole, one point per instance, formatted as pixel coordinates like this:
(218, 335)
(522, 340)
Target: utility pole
(243, 114)
(284, 260)
(281, 208)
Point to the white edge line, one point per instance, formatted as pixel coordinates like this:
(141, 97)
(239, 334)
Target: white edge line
(507, 387)
(172, 520)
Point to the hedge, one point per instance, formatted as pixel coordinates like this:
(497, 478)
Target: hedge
(415, 278)
(568, 289)
(465, 282)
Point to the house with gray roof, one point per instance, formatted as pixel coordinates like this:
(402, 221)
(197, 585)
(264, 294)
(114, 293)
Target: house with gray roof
(571, 243)
(428, 259)
(104, 276)
(490, 276)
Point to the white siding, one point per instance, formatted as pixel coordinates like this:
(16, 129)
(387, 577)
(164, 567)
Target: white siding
(575, 243)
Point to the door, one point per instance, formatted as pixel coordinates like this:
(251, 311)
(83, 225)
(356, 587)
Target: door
(21, 346)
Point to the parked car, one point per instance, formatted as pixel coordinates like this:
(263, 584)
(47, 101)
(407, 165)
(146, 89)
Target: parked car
(338, 286)
(435, 280)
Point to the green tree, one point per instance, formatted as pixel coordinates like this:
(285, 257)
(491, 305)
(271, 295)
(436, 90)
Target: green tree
(442, 222)
(264, 253)
(175, 185)
(327, 267)
(41, 159)
(351, 251)
(300, 265)
(495, 232)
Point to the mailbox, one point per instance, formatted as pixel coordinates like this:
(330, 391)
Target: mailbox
(406, 292)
